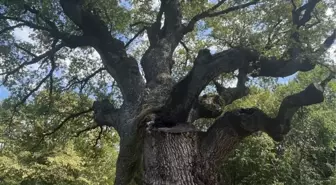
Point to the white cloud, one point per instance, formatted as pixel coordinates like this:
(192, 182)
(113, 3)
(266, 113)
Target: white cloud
(156, 5)
(329, 12)
(230, 83)
(23, 34)
(213, 49)
(332, 52)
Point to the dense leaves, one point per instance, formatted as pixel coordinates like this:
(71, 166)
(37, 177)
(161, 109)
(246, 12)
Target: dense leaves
(28, 156)
(306, 156)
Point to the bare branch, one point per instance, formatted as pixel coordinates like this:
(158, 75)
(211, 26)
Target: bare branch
(318, 21)
(85, 80)
(269, 43)
(332, 75)
(53, 68)
(37, 87)
(72, 41)
(25, 50)
(92, 127)
(293, 4)
(202, 15)
(153, 31)
(135, 36)
(210, 13)
(187, 52)
(33, 61)
(48, 76)
(234, 8)
(140, 23)
(51, 87)
(41, 16)
(26, 23)
(99, 136)
(70, 117)
(210, 106)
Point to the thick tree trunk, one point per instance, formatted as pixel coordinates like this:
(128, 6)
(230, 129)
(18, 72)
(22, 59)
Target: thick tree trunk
(176, 158)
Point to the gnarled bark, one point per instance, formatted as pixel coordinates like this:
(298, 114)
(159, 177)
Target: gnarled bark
(176, 158)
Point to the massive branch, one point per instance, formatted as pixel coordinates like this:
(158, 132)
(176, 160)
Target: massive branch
(233, 126)
(124, 69)
(207, 67)
(157, 61)
(300, 19)
(105, 114)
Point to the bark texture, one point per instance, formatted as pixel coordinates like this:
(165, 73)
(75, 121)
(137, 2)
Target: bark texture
(176, 158)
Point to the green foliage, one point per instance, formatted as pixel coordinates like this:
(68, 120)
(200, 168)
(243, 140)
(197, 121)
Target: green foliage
(306, 156)
(60, 158)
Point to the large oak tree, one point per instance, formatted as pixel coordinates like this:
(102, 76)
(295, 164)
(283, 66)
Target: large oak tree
(159, 143)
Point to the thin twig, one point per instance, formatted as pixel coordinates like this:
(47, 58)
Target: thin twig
(86, 129)
(70, 117)
(135, 36)
(99, 136)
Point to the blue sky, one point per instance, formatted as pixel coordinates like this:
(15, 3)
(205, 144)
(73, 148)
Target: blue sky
(3, 93)
(19, 34)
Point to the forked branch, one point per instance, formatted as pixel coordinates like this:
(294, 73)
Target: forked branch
(68, 118)
(84, 81)
(207, 106)
(33, 61)
(105, 114)
(207, 67)
(124, 69)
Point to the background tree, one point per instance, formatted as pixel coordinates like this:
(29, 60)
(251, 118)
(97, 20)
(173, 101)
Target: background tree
(305, 156)
(69, 156)
(160, 92)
